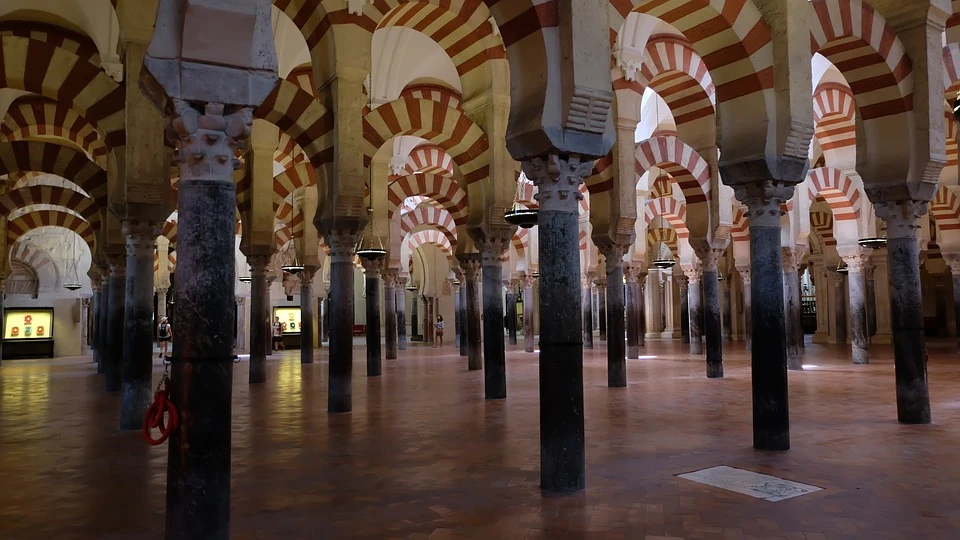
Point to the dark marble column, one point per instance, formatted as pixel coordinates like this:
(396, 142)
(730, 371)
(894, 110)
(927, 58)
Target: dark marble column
(711, 313)
(562, 457)
(371, 270)
(429, 319)
(616, 331)
(694, 311)
(871, 296)
(906, 305)
(684, 284)
(342, 244)
(529, 339)
(306, 314)
(103, 341)
(325, 317)
(512, 312)
(458, 310)
(137, 367)
(464, 319)
(493, 249)
(840, 307)
(587, 309)
(471, 273)
(268, 308)
(198, 467)
(114, 356)
(632, 297)
(402, 312)
(725, 310)
(856, 283)
(747, 310)
(602, 308)
(259, 318)
(791, 300)
(641, 308)
(390, 312)
(771, 413)
(415, 317)
(97, 305)
(953, 261)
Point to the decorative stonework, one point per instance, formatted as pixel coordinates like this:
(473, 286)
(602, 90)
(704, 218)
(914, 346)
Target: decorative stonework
(764, 201)
(141, 237)
(744, 276)
(342, 244)
(209, 141)
(471, 267)
(390, 278)
(493, 244)
(855, 263)
(710, 259)
(902, 217)
(589, 109)
(372, 267)
(558, 180)
(693, 276)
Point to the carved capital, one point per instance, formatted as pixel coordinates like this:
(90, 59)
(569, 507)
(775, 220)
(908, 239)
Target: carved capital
(630, 272)
(493, 243)
(789, 259)
(306, 275)
(241, 301)
(710, 258)
(682, 280)
(953, 261)
(258, 264)
(471, 266)
(118, 264)
(342, 244)
(613, 255)
(390, 278)
(209, 140)
(372, 267)
(141, 236)
(528, 281)
(902, 217)
(558, 180)
(744, 276)
(764, 201)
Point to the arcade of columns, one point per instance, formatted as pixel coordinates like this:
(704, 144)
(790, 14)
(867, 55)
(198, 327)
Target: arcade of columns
(697, 146)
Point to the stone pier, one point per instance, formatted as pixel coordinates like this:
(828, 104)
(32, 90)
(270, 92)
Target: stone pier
(616, 335)
(114, 356)
(632, 311)
(511, 312)
(747, 309)
(684, 285)
(402, 312)
(587, 311)
(342, 244)
(493, 250)
(601, 285)
(104, 340)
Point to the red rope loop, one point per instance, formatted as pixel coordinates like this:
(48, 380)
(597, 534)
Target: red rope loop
(155, 412)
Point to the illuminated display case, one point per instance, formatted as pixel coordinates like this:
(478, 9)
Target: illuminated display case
(290, 319)
(28, 333)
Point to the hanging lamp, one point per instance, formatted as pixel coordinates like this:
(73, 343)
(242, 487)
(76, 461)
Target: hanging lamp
(842, 267)
(370, 247)
(294, 267)
(519, 214)
(73, 285)
(878, 242)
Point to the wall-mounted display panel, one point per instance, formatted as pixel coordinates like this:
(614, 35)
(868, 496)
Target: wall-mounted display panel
(290, 319)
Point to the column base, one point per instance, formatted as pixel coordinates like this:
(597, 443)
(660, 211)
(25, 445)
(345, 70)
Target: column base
(820, 337)
(881, 339)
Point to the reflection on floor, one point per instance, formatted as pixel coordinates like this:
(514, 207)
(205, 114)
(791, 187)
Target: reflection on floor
(423, 455)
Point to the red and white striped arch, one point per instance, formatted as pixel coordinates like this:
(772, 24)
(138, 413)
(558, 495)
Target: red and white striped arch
(601, 178)
(521, 242)
(288, 152)
(61, 75)
(731, 37)
(662, 235)
(584, 239)
(434, 92)
(822, 223)
(36, 257)
(677, 73)
(423, 237)
(51, 218)
(740, 232)
(292, 179)
(951, 72)
(426, 215)
(672, 210)
(448, 128)
(945, 209)
(444, 190)
(838, 190)
(834, 113)
(682, 162)
(170, 231)
(951, 140)
(75, 201)
(56, 36)
(303, 118)
(37, 117)
(860, 43)
(63, 161)
(430, 159)
(171, 261)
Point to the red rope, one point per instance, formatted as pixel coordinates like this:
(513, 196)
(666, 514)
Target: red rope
(154, 417)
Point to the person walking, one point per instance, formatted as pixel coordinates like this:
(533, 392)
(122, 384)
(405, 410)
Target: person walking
(278, 335)
(164, 335)
(439, 326)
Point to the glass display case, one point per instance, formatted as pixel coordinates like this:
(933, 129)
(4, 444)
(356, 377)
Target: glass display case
(28, 333)
(290, 320)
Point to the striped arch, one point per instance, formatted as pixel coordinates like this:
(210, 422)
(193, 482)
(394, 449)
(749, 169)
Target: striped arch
(448, 128)
(288, 152)
(170, 232)
(426, 215)
(868, 53)
(945, 209)
(290, 228)
(584, 239)
(731, 37)
(434, 92)
(951, 72)
(674, 211)
(56, 73)
(50, 218)
(446, 191)
(316, 26)
(834, 114)
(34, 156)
(677, 73)
(951, 125)
(740, 232)
(838, 190)
(470, 42)
(303, 117)
(51, 195)
(171, 261)
(37, 258)
(303, 77)
(661, 235)
(56, 36)
(822, 223)
(521, 242)
(420, 238)
(683, 163)
(291, 180)
(33, 117)
(430, 159)
(601, 178)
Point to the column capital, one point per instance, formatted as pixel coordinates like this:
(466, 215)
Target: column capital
(744, 275)
(953, 262)
(210, 139)
(528, 281)
(693, 275)
(764, 201)
(493, 243)
(631, 272)
(258, 264)
(471, 266)
(902, 217)
(682, 280)
(790, 260)
(241, 301)
(85, 301)
(855, 263)
(390, 278)
(342, 244)
(558, 180)
(372, 267)
(710, 258)
(306, 275)
(118, 264)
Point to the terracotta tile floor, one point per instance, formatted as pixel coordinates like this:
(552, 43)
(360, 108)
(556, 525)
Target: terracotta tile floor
(424, 456)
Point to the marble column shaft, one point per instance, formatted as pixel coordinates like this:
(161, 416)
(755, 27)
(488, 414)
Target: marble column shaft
(791, 300)
(493, 252)
(458, 309)
(259, 318)
(137, 368)
(616, 331)
(725, 310)
(402, 313)
(306, 314)
(103, 340)
(632, 312)
(712, 316)
(464, 320)
(371, 269)
(587, 309)
(694, 311)
(340, 383)
(529, 338)
(114, 356)
(684, 284)
(602, 310)
(390, 313)
(97, 305)
(512, 313)
(471, 273)
(840, 307)
(747, 309)
(857, 287)
(953, 262)
(641, 302)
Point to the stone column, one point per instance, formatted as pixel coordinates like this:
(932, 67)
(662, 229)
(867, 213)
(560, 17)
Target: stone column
(711, 313)
(694, 310)
(747, 309)
(906, 306)
(137, 368)
(512, 312)
(268, 320)
(85, 330)
(725, 310)
(114, 357)
(103, 341)
(587, 311)
(856, 281)
(306, 313)
(371, 270)
(342, 244)
(771, 417)
(953, 262)
(161, 303)
(529, 341)
(616, 333)
(241, 322)
(464, 318)
(390, 312)
(402, 313)
(493, 249)
(823, 303)
(869, 289)
(840, 309)
(259, 318)
(641, 300)
(633, 311)
(791, 299)
(428, 319)
(415, 317)
(684, 283)
(602, 307)
(655, 325)
(97, 306)
(471, 267)
(562, 456)
(458, 309)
